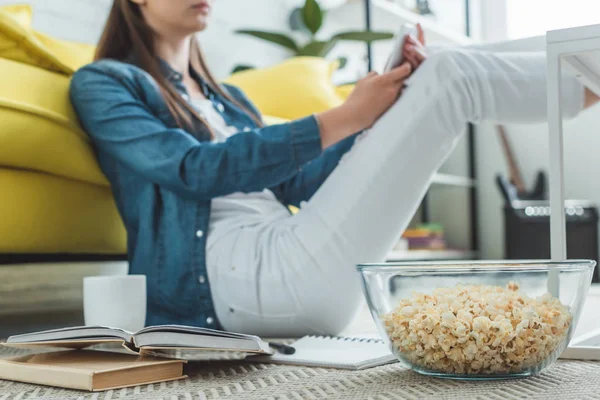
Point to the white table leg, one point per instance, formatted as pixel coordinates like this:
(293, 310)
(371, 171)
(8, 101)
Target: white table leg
(558, 243)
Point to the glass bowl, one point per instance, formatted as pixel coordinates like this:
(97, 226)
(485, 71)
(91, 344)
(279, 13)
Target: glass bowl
(477, 320)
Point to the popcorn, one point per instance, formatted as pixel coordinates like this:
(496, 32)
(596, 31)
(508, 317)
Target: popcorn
(477, 329)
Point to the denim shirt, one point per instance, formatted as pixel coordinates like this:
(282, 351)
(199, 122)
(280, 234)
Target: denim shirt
(163, 177)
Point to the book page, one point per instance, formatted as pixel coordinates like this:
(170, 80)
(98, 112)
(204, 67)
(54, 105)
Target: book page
(69, 344)
(76, 333)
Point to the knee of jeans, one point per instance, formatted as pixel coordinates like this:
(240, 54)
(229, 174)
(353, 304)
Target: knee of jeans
(334, 312)
(450, 65)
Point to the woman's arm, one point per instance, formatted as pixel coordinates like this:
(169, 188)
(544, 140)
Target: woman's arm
(123, 127)
(359, 112)
(302, 186)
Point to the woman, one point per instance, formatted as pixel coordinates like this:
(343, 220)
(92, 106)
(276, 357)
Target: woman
(202, 185)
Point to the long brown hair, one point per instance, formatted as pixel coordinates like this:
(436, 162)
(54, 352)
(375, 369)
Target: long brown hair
(127, 34)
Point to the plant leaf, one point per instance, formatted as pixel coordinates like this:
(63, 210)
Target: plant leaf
(363, 36)
(273, 37)
(241, 67)
(312, 16)
(296, 20)
(317, 48)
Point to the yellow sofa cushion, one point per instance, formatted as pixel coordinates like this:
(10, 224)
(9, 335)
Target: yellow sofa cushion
(344, 90)
(39, 129)
(72, 54)
(22, 13)
(270, 120)
(21, 43)
(42, 213)
(295, 88)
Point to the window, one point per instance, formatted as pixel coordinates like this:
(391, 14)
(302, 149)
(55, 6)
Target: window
(535, 17)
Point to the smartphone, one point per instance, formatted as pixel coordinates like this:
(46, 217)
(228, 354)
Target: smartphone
(396, 58)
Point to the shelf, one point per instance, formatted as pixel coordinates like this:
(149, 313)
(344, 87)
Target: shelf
(430, 255)
(435, 32)
(390, 17)
(453, 180)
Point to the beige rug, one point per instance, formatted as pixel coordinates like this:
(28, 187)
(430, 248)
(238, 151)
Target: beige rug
(243, 380)
(566, 380)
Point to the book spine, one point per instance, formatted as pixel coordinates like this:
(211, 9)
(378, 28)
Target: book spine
(50, 376)
(349, 339)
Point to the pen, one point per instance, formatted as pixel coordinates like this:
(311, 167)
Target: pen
(283, 348)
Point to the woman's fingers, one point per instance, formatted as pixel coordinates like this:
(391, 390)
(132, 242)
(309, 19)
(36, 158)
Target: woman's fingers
(414, 52)
(419, 54)
(399, 73)
(420, 34)
(410, 58)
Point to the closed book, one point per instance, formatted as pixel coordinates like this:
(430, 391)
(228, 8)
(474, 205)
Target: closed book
(89, 369)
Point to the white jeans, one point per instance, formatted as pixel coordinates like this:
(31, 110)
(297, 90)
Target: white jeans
(295, 275)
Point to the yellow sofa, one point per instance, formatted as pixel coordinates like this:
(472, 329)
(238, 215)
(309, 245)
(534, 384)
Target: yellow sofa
(54, 197)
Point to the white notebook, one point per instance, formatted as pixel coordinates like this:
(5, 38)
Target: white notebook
(334, 352)
(584, 347)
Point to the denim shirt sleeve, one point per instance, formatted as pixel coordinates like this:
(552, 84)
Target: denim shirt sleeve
(305, 183)
(121, 125)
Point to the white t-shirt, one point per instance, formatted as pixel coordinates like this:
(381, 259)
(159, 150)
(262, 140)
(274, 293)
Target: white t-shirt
(237, 209)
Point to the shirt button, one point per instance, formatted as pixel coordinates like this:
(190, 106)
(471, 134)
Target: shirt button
(201, 279)
(247, 129)
(199, 234)
(220, 107)
(209, 320)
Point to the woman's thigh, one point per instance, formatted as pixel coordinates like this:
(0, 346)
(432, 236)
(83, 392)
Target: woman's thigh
(264, 282)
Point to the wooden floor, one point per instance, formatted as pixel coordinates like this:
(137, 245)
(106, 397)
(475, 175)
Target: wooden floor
(46, 295)
(16, 324)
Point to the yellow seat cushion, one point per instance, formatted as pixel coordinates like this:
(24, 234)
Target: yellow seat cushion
(21, 43)
(293, 89)
(22, 13)
(270, 120)
(344, 90)
(42, 213)
(72, 54)
(39, 129)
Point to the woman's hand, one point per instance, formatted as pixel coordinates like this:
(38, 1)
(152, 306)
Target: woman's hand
(371, 97)
(414, 48)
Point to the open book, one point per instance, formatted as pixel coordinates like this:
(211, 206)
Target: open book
(173, 341)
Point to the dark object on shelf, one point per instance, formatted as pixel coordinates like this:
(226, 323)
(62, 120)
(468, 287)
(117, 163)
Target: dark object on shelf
(515, 176)
(510, 192)
(527, 231)
(422, 7)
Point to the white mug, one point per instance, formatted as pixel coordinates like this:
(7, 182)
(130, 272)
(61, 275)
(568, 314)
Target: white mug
(115, 301)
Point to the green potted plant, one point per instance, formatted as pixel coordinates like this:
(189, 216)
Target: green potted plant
(309, 19)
